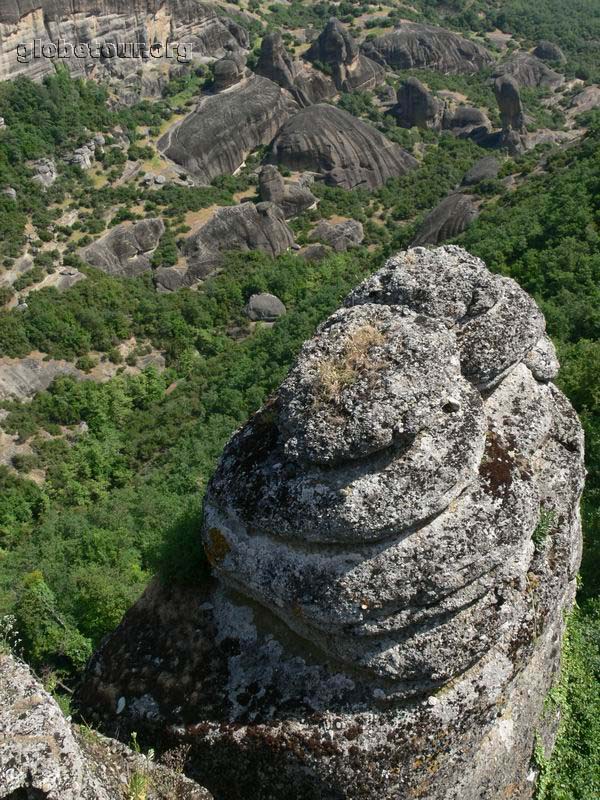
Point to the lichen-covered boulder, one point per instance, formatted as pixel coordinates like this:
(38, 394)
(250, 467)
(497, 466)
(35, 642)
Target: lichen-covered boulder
(394, 539)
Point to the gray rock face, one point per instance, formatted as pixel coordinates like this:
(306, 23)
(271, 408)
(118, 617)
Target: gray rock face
(341, 236)
(586, 100)
(509, 102)
(448, 219)
(43, 756)
(343, 148)
(109, 22)
(417, 107)
(255, 109)
(306, 85)
(485, 169)
(548, 51)
(241, 228)
(291, 197)
(229, 70)
(44, 172)
(527, 70)
(352, 71)
(412, 45)
(264, 308)
(125, 250)
(372, 533)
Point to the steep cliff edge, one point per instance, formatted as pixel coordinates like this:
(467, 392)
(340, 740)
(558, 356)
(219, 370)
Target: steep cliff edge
(394, 540)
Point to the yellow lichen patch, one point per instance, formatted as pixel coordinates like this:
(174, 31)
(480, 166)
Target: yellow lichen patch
(217, 546)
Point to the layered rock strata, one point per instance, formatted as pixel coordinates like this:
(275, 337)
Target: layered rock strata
(394, 539)
(415, 46)
(254, 109)
(126, 250)
(348, 152)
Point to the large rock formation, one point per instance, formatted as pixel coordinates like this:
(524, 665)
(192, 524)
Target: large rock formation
(341, 236)
(549, 51)
(241, 228)
(43, 757)
(346, 150)
(305, 84)
(512, 115)
(111, 22)
(352, 71)
(529, 71)
(394, 537)
(127, 249)
(417, 107)
(290, 196)
(203, 142)
(449, 218)
(414, 46)
(487, 168)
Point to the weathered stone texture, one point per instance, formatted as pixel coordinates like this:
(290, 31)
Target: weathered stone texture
(394, 540)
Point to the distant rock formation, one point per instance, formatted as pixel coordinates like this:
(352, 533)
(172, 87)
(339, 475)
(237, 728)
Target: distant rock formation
(305, 84)
(264, 307)
(127, 249)
(352, 71)
(44, 757)
(346, 150)
(512, 115)
(415, 46)
(290, 196)
(229, 70)
(586, 100)
(529, 71)
(340, 236)
(548, 51)
(487, 168)
(203, 142)
(448, 219)
(44, 172)
(108, 23)
(242, 228)
(417, 107)
(394, 539)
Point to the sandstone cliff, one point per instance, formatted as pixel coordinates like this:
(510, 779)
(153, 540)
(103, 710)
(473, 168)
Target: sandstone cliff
(112, 21)
(394, 540)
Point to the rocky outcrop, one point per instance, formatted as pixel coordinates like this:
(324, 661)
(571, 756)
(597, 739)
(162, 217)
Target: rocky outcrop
(305, 84)
(232, 228)
(394, 539)
(448, 219)
(351, 70)
(125, 250)
(264, 307)
(417, 107)
(529, 71)
(290, 196)
(44, 757)
(345, 150)
(548, 51)
(512, 115)
(229, 70)
(340, 236)
(487, 168)
(110, 22)
(44, 172)
(415, 46)
(586, 100)
(255, 109)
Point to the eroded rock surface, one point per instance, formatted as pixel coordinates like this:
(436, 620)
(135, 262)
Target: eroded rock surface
(232, 228)
(352, 71)
(415, 46)
(341, 236)
(343, 148)
(305, 84)
(43, 757)
(125, 250)
(290, 196)
(449, 218)
(530, 71)
(394, 539)
(254, 108)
